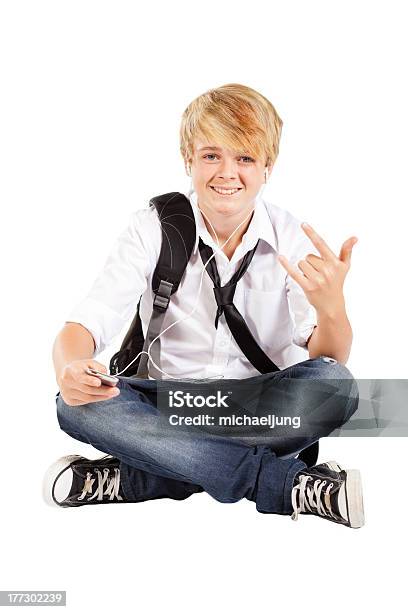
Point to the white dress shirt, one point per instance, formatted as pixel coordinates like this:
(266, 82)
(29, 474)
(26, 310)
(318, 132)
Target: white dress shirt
(272, 304)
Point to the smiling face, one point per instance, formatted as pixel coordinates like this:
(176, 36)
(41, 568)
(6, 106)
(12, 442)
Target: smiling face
(226, 182)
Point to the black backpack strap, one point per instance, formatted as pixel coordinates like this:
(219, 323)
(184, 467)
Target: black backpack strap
(178, 239)
(131, 346)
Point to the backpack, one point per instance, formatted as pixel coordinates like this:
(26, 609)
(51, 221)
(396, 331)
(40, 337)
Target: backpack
(178, 239)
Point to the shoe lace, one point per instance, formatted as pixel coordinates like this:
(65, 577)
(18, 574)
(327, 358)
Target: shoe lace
(310, 498)
(112, 488)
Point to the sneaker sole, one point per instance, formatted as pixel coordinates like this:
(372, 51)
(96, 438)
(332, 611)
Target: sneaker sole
(355, 505)
(64, 483)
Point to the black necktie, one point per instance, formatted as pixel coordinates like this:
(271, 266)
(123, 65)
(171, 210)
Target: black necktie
(224, 297)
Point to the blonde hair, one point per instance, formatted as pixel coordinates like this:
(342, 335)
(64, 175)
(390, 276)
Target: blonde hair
(235, 116)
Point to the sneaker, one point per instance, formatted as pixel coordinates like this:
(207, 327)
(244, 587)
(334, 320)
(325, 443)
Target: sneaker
(332, 465)
(328, 491)
(74, 480)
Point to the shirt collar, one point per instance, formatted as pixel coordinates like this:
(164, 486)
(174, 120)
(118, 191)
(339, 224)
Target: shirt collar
(260, 227)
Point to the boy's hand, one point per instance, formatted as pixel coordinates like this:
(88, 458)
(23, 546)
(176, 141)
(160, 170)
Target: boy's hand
(323, 277)
(78, 388)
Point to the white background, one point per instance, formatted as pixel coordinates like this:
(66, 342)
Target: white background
(92, 95)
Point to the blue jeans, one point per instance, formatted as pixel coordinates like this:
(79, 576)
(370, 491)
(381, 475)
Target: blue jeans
(177, 463)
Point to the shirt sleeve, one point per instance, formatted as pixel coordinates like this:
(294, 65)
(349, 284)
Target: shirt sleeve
(116, 291)
(303, 313)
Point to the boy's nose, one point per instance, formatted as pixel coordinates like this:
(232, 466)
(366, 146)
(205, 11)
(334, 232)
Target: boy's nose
(228, 170)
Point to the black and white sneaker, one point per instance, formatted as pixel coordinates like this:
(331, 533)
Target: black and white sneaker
(328, 491)
(332, 465)
(74, 480)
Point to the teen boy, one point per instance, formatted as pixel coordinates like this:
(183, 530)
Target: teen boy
(291, 298)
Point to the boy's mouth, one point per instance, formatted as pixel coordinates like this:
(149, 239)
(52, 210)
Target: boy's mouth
(225, 192)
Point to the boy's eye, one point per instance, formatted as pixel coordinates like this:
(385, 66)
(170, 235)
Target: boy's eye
(246, 157)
